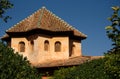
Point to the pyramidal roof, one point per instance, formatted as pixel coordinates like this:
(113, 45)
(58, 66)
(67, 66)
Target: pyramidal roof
(46, 20)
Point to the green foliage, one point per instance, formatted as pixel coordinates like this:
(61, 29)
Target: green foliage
(14, 66)
(4, 6)
(106, 68)
(113, 31)
(90, 70)
(112, 64)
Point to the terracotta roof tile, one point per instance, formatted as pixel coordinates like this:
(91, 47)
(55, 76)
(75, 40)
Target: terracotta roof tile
(68, 62)
(5, 36)
(44, 19)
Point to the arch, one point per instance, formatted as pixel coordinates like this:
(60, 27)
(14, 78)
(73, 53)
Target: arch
(46, 45)
(21, 46)
(73, 50)
(57, 46)
(32, 45)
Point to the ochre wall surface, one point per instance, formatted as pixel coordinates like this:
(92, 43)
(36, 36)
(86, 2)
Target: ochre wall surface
(36, 53)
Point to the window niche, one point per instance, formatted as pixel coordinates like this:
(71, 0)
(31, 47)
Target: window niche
(57, 46)
(32, 45)
(73, 50)
(46, 45)
(21, 46)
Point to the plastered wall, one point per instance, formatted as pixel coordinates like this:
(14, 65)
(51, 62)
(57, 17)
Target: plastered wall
(36, 54)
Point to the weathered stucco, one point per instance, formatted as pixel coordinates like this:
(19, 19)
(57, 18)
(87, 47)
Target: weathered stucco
(75, 48)
(36, 54)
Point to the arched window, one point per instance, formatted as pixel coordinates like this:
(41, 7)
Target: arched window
(32, 45)
(46, 45)
(73, 50)
(57, 46)
(21, 47)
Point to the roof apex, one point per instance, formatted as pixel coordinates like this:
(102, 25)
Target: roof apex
(46, 20)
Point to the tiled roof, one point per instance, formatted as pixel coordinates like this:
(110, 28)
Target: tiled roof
(68, 62)
(46, 20)
(5, 36)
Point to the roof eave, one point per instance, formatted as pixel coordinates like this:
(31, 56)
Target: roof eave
(5, 37)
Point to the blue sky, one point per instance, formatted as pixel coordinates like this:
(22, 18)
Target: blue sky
(88, 16)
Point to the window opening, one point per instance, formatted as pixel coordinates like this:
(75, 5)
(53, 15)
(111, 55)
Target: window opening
(57, 46)
(21, 47)
(46, 45)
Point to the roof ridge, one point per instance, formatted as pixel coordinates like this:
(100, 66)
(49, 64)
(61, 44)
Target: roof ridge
(48, 20)
(60, 19)
(79, 31)
(52, 14)
(40, 17)
(26, 18)
(63, 21)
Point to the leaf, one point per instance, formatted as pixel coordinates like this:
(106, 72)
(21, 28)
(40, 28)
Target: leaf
(108, 28)
(115, 8)
(14, 66)
(109, 18)
(116, 22)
